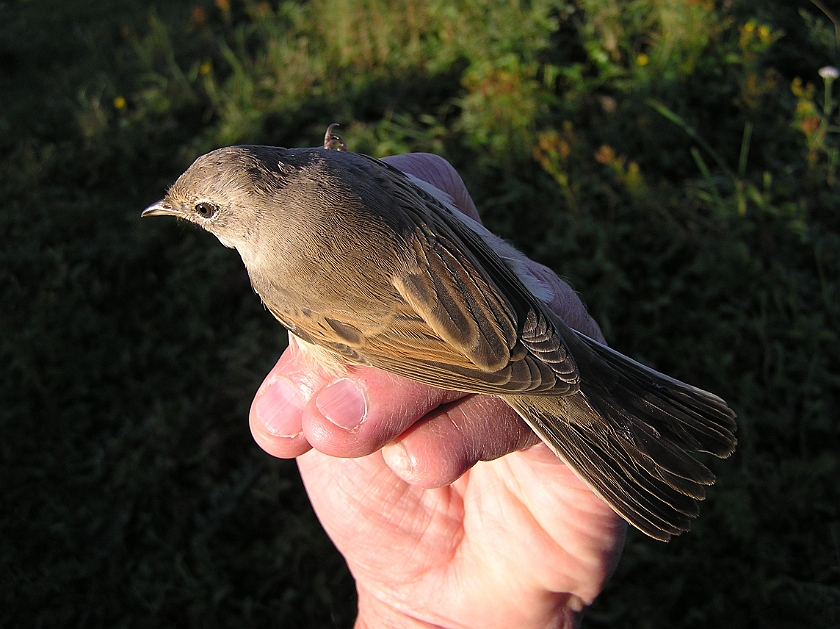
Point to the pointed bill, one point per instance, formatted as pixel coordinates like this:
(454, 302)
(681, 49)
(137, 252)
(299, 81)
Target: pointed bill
(161, 208)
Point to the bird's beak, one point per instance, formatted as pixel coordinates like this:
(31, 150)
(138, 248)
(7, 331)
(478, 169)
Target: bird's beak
(161, 208)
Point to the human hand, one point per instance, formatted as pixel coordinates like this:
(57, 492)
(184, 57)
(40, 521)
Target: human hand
(447, 508)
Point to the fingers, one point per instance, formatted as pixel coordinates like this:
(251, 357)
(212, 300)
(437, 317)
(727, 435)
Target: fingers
(430, 436)
(277, 409)
(359, 413)
(300, 406)
(438, 450)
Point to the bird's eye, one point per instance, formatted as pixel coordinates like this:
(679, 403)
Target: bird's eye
(205, 210)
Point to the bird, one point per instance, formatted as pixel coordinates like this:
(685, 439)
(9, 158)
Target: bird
(368, 265)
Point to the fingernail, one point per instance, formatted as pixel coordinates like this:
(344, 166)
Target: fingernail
(278, 408)
(397, 458)
(343, 403)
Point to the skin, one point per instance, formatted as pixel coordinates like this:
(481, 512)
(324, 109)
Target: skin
(448, 510)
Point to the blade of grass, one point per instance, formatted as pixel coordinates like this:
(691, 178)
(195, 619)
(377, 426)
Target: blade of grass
(745, 149)
(707, 176)
(690, 132)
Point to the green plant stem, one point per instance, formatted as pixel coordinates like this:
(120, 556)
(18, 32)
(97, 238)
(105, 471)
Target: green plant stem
(745, 149)
(690, 132)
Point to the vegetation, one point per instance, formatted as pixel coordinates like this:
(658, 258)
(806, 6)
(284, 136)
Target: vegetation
(677, 162)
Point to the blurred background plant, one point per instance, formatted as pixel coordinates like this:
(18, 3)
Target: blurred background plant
(676, 162)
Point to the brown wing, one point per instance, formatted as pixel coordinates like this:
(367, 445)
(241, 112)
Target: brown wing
(458, 317)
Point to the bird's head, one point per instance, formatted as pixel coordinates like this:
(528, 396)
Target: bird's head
(225, 191)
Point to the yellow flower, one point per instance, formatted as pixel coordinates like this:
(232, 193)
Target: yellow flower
(764, 33)
(205, 68)
(119, 102)
(642, 59)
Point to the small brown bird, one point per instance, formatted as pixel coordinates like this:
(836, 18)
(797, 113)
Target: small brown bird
(368, 265)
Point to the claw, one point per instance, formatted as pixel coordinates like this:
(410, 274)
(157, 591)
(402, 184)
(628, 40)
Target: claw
(333, 141)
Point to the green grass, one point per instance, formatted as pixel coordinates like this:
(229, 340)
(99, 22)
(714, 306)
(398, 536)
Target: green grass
(676, 162)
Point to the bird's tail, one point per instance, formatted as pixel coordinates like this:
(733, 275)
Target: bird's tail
(627, 434)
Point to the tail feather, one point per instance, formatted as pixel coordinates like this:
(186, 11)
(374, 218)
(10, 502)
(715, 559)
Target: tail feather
(632, 496)
(627, 434)
(698, 419)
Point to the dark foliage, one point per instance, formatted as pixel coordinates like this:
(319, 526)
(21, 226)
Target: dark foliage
(677, 164)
